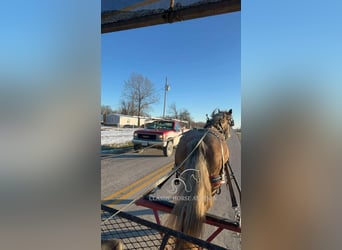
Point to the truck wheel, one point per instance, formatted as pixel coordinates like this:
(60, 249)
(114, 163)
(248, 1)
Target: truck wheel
(137, 147)
(168, 149)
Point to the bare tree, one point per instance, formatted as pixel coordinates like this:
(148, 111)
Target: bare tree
(185, 115)
(105, 109)
(127, 108)
(198, 124)
(138, 94)
(173, 111)
(182, 114)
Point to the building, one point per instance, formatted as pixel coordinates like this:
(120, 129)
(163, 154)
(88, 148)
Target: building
(120, 121)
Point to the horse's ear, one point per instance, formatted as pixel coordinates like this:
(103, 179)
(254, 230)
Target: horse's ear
(230, 111)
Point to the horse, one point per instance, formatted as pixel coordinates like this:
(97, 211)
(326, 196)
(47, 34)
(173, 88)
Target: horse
(200, 158)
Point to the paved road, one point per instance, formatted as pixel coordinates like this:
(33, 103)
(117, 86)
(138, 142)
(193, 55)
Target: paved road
(128, 176)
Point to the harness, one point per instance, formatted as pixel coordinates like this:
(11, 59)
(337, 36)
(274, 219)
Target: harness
(217, 126)
(218, 180)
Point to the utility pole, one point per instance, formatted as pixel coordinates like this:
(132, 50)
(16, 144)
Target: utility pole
(167, 88)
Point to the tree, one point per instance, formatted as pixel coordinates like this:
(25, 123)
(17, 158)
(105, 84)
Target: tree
(198, 124)
(182, 114)
(173, 111)
(105, 109)
(185, 115)
(138, 95)
(127, 108)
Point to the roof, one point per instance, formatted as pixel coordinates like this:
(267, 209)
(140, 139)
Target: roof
(119, 15)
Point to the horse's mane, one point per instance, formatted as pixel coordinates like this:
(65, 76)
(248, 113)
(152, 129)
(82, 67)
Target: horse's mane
(216, 121)
(216, 117)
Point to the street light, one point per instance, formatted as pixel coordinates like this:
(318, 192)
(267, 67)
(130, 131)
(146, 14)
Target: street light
(167, 88)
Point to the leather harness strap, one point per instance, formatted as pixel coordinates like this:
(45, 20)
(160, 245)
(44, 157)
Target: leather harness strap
(230, 186)
(217, 181)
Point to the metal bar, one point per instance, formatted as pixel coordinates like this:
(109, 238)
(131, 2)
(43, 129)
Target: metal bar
(235, 181)
(164, 242)
(214, 234)
(156, 216)
(161, 228)
(230, 186)
(210, 219)
(168, 16)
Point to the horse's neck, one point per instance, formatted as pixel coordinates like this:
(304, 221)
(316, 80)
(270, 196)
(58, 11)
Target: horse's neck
(215, 127)
(211, 124)
(226, 134)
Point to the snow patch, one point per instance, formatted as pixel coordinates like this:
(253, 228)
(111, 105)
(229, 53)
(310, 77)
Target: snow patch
(112, 135)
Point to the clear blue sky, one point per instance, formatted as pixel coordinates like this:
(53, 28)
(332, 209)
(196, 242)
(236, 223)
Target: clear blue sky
(200, 58)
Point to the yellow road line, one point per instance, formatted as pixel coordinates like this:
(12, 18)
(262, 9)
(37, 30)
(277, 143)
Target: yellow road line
(123, 190)
(139, 188)
(145, 184)
(134, 184)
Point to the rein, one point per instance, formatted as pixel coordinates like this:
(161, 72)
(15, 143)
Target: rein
(193, 150)
(216, 181)
(172, 172)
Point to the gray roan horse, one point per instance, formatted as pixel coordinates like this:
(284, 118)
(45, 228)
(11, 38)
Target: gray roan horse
(200, 156)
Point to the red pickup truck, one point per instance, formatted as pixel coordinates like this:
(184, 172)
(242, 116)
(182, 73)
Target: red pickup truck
(163, 134)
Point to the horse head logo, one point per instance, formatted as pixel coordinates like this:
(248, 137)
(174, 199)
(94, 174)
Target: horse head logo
(194, 175)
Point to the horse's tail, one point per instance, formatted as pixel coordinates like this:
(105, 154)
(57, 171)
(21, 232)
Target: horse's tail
(194, 199)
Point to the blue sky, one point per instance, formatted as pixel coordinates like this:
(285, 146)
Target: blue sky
(200, 58)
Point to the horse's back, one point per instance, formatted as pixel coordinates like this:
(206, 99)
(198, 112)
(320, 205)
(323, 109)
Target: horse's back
(214, 145)
(187, 143)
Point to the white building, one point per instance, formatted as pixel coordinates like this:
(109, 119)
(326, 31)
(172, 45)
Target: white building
(119, 120)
